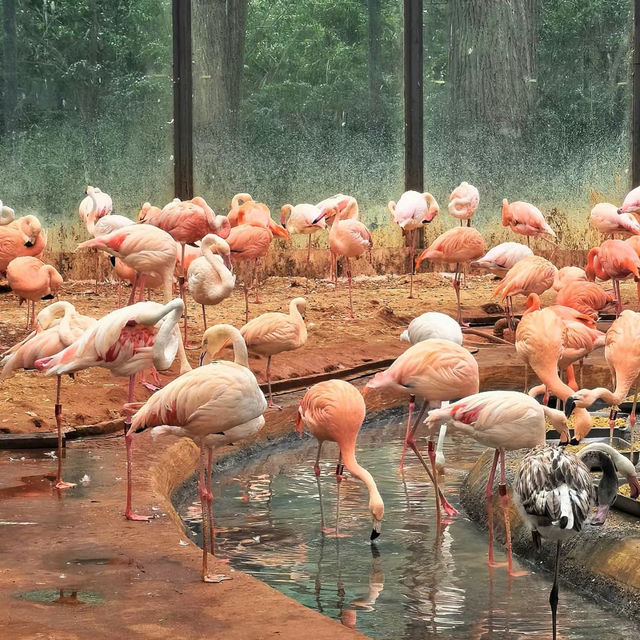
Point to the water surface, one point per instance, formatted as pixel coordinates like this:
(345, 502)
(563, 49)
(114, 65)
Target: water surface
(411, 583)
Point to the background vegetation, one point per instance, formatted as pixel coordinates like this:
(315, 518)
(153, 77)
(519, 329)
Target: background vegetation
(528, 99)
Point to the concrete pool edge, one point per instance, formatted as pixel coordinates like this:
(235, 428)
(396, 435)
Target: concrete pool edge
(602, 562)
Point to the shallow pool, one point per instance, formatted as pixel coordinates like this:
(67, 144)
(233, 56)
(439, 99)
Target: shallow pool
(410, 583)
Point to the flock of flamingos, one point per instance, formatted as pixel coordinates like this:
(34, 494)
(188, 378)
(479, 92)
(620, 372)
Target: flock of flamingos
(220, 402)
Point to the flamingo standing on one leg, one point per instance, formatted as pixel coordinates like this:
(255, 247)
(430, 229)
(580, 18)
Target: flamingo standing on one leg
(463, 202)
(437, 371)
(214, 405)
(59, 325)
(301, 220)
(146, 249)
(95, 206)
(504, 421)
(554, 491)
(348, 238)
(622, 353)
(615, 260)
(460, 245)
(273, 333)
(334, 411)
(125, 341)
(502, 257)
(250, 241)
(525, 219)
(31, 280)
(411, 213)
(530, 275)
(209, 279)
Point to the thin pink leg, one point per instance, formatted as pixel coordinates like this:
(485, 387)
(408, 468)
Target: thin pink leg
(271, 403)
(246, 301)
(256, 299)
(183, 293)
(488, 494)
(349, 280)
(412, 406)
(412, 267)
(141, 288)
(128, 438)
(446, 505)
(212, 534)
(132, 297)
(33, 314)
(309, 251)
(504, 499)
(60, 484)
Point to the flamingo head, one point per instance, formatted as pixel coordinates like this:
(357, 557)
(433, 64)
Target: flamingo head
(506, 213)
(634, 486)
(421, 257)
(327, 212)
(376, 508)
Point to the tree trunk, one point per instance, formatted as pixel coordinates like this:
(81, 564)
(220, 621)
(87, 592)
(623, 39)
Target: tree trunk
(219, 36)
(10, 65)
(491, 64)
(375, 57)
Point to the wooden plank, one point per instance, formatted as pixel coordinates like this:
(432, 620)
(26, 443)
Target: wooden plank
(182, 101)
(48, 440)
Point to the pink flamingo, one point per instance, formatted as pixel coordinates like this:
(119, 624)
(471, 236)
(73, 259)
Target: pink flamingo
(463, 202)
(631, 203)
(460, 245)
(530, 275)
(186, 222)
(349, 238)
(273, 333)
(504, 421)
(209, 279)
(585, 297)
(301, 220)
(93, 207)
(250, 241)
(23, 236)
(256, 213)
(437, 371)
(568, 274)
(525, 219)
(604, 217)
(411, 213)
(125, 341)
(148, 250)
(58, 326)
(333, 411)
(31, 280)
(214, 405)
(614, 260)
(502, 257)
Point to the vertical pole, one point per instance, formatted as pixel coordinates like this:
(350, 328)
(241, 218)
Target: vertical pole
(182, 101)
(635, 131)
(10, 50)
(413, 98)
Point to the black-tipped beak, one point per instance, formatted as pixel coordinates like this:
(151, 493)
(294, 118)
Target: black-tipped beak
(202, 356)
(374, 534)
(141, 428)
(426, 221)
(28, 244)
(573, 442)
(634, 487)
(112, 260)
(49, 296)
(569, 406)
(318, 219)
(619, 211)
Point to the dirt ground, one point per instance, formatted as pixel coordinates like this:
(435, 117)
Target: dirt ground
(382, 310)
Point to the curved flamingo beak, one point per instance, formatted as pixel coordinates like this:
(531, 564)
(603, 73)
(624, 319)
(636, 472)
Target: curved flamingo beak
(569, 406)
(299, 423)
(324, 214)
(634, 486)
(420, 259)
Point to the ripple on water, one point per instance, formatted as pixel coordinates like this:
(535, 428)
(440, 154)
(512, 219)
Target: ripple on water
(411, 584)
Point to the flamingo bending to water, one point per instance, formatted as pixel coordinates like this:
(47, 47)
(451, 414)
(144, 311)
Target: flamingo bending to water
(460, 245)
(214, 405)
(273, 333)
(334, 411)
(411, 213)
(504, 421)
(436, 371)
(125, 341)
(31, 280)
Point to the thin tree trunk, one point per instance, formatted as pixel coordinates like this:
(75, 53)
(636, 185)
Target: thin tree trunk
(219, 40)
(10, 65)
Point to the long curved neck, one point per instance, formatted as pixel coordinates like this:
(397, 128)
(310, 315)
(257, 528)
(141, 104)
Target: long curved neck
(64, 329)
(240, 353)
(612, 398)
(217, 265)
(506, 213)
(161, 355)
(294, 312)
(350, 462)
